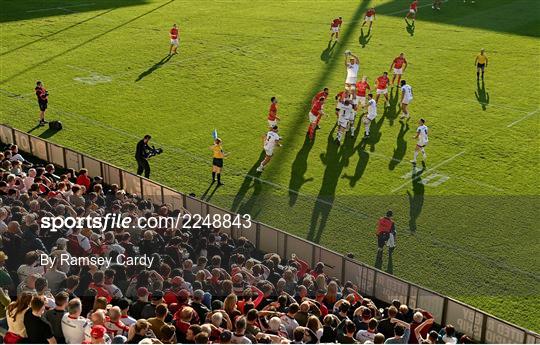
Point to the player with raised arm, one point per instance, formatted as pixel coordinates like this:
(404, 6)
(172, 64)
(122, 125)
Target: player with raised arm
(382, 87)
(399, 65)
(273, 118)
(352, 64)
(173, 34)
(315, 115)
(421, 141)
(345, 115)
(481, 63)
(406, 99)
(369, 18)
(270, 141)
(361, 89)
(413, 9)
(335, 26)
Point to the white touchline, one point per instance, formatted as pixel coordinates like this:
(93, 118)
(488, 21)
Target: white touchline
(523, 118)
(431, 169)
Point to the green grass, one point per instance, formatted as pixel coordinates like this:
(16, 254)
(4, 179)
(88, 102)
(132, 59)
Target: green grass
(474, 236)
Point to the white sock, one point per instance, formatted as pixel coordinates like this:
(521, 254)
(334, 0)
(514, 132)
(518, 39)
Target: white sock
(424, 154)
(367, 128)
(415, 155)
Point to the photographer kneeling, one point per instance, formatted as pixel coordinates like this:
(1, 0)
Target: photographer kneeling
(142, 153)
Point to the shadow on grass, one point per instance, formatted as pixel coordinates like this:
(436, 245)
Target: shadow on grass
(416, 198)
(481, 95)
(364, 39)
(154, 67)
(251, 181)
(328, 52)
(298, 170)
(410, 27)
(401, 146)
(392, 111)
(336, 158)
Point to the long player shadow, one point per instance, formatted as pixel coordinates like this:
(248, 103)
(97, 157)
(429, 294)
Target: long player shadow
(394, 109)
(416, 198)
(401, 146)
(328, 52)
(481, 95)
(298, 170)
(335, 159)
(364, 39)
(154, 67)
(250, 182)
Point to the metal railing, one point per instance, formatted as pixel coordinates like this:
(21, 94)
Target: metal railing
(479, 325)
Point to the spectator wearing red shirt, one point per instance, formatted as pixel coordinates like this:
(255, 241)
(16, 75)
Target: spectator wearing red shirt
(83, 179)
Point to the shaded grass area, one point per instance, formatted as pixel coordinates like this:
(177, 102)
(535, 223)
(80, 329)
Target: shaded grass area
(470, 236)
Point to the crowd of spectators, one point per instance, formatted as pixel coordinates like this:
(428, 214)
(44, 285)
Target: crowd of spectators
(202, 286)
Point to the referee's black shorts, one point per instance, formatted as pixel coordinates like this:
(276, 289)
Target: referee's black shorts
(42, 106)
(481, 66)
(218, 162)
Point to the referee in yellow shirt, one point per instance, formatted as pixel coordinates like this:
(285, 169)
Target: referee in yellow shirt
(481, 63)
(217, 161)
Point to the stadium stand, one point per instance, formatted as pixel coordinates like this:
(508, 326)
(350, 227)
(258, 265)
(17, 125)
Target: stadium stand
(202, 284)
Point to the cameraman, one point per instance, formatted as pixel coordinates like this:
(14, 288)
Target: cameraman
(141, 155)
(43, 100)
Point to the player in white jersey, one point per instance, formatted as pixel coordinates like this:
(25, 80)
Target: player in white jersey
(346, 114)
(270, 141)
(421, 140)
(371, 113)
(406, 99)
(352, 63)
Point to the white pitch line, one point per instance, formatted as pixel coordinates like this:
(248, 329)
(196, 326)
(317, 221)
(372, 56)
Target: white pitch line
(431, 169)
(59, 8)
(523, 118)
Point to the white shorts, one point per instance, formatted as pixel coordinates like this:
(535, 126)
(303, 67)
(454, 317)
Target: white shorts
(335, 29)
(352, 82)
(269, 150)
(343, 122)
(368, 19)
(312, 118)
(406, 100)
(174, 42)
(382, 92)
(412, 11)
(272, 123)
(361, 100)
(398, 71)
(368, 118)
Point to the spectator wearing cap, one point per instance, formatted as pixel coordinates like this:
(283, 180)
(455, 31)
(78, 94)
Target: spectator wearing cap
(37, 329)
(54, 316)
(386, 233)
(198, 306)
(171, 295)
(149, 310)
(142, 301)
(97, 335)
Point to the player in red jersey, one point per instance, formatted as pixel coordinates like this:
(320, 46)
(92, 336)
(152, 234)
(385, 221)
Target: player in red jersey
(315, 115)
(382, 88)
(173, 34)
(323, 94)
(273, 118)
(361, 89)
(370, 16)
(413, 9)
(334, 28)
(400, 65)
